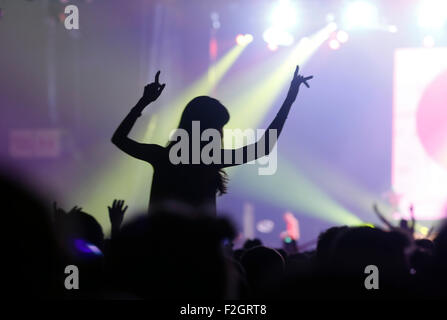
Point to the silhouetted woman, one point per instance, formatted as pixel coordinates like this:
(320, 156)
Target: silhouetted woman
(196, 181)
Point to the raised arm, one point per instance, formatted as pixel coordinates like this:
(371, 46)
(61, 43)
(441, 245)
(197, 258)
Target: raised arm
(147, 152)
(265, 145)
(382, 217)
(413, 220)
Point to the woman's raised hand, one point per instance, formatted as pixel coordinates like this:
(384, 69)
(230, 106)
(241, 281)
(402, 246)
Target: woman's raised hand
(296, 82)
(153, 90)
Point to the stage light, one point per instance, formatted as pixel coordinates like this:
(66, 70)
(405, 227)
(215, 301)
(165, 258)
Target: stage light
(248, 38)
(265, 226)
(272, 47)
(342, 36)
(244, 39)
(277, 37)
(432, 14)
(332, 27)
(392, 28)
(429, 41)
(313, 201)
(284, 15)
(305, 41)
(245, 113)
(330, 17)
(360, 14)
(282, 19)
(215, 20)
(334, 44)
(240, 39)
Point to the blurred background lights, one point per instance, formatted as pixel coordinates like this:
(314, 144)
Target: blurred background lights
(432, 14)
(392, 28)
(240, 39)
(332, 26)
(282, 19)
(429, 41)
(215, 20)
(248, 38)
(272, 47)
(305, 41)
(284, 15)
(330, 17)
(265, 226)
(334, 44)
(277, 37)
(360, 14)
(342, 36)
(244, 39)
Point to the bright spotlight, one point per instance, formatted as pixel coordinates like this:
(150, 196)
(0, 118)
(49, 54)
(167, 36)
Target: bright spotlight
(332, 26)
(265, 226)
(244, 39)
(392, 28)
(429, 41)
(360, 14)
(248, 38)
(330, 17)
(342, 36)
(278, 37)
(305, 41)
(334, 44)
(432, 14)
(272, 47)
(240, 39)
(284, 15)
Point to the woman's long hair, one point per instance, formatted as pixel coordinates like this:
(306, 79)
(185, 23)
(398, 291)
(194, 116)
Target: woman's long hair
(212, 115)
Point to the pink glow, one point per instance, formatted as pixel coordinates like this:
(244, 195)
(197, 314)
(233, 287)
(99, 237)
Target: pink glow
(419, 163)
(432, 119)
(292, 226)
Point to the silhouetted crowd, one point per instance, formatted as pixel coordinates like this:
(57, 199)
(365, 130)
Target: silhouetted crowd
(176, 252)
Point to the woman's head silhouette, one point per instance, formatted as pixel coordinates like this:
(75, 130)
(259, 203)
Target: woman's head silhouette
(209, 111)
(211, 114)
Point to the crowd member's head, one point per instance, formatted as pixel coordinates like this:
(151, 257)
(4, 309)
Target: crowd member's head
(358, 247)
(264, 269)
(29, 252)
(251, 243)
(325, 244)
(440, 260)
(172, 255)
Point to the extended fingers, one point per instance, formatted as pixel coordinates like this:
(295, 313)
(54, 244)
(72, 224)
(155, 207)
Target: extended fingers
(297, 70)
(157, 76)
(304, 80)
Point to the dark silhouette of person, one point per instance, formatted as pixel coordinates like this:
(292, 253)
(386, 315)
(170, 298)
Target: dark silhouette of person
(265, 268)
(172, 255)
(196, 183)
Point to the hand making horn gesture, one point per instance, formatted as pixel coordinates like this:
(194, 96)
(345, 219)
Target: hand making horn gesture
(296, 82)
(153, 90)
